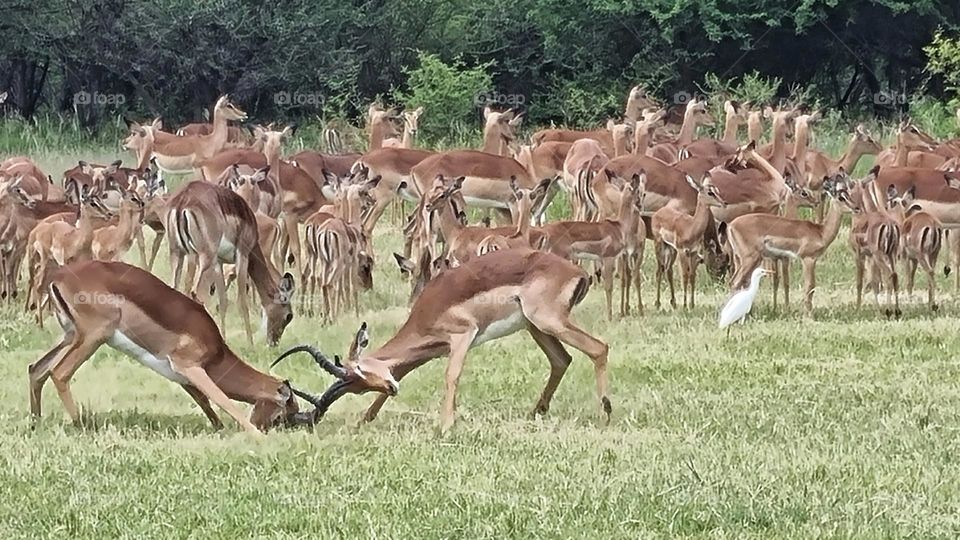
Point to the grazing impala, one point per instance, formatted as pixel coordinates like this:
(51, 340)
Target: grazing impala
(483, 300)
(217, 226)
(111, 303)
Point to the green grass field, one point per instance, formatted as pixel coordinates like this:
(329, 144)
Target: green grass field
(841, 426)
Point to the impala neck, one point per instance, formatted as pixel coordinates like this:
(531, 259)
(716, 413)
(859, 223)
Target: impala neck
(831, 225)
(791, 208)
(409, 349)
(378, 132)
(263, 274)
(765, 165)
(218, 137)
(128, 218)
(240, 381)
(449, 223)
(492, 141)
(801, 142)
(688, 129)
(901, 153)
(407, 141)
(730, 128)
(641, 140)
(779, 154)
(754, 128)
(851, 156)
(701, 217)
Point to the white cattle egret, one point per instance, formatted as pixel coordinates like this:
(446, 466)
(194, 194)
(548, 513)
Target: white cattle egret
(740, 303)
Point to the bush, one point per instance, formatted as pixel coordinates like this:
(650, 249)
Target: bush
(450, 94)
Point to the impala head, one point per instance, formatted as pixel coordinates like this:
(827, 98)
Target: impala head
(411, 120)
(228, 110)
(952, 179)
(359, 374)
(272, 139)
(802, 122)
(782, 119)
(708, 190)
(637, 100)
(903, 203)
(734, 111)
(802, 195)
(837, 186)
(909, 135)
(15, 190)
(698, 112)
(444, 191)
(525, 200)
(863, 143)
(279, 313)
(501, 124)
(382, 119)
(622, 134)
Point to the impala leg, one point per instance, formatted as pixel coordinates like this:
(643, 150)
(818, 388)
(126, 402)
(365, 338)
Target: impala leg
(895, 288)
(39, 371)
(658, 251)
(203, 383)
(374, 409)
(201, 399)
(785, 265)
(559, 361)
(155, 248)
(606, 275)
(638, 277)
(375, 212)
(693, 280)
(775, 268)
(243, 277)
(141, 245)
(810, 282)
(931, 286)
(625, 283)
(459, 345)
(558, 324)
(673, 294)
(858, 260)
(61, 372)
(911, 269)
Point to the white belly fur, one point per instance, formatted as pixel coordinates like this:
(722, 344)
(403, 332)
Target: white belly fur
(483, 203)
(226, 251)
(498, 329)
(162, 366)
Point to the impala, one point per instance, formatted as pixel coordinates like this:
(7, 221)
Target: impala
(216, 226)
(183, 154)
(875, 237)
(483, 300)
(111, 303)
(735, 116)
(678, 234)
(113, 241)
(606, 241)
(411, 121)
(755, 236)
(920, 241)
(695, 113)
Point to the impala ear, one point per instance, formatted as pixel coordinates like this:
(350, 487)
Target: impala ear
(330, 179)
(914, 208)
(486, 112)
(406, 265)
(458, 183)
(285, 288)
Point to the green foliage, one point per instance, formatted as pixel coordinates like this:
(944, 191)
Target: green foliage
(943, 55)
(451, 94)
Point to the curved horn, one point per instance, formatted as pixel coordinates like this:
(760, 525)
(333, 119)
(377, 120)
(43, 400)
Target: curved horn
(321, 360)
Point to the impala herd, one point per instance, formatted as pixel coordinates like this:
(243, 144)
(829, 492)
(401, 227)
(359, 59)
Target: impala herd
(259, 222)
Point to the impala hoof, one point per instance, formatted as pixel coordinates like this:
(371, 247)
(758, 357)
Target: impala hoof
(897, 313)
(934, 307)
